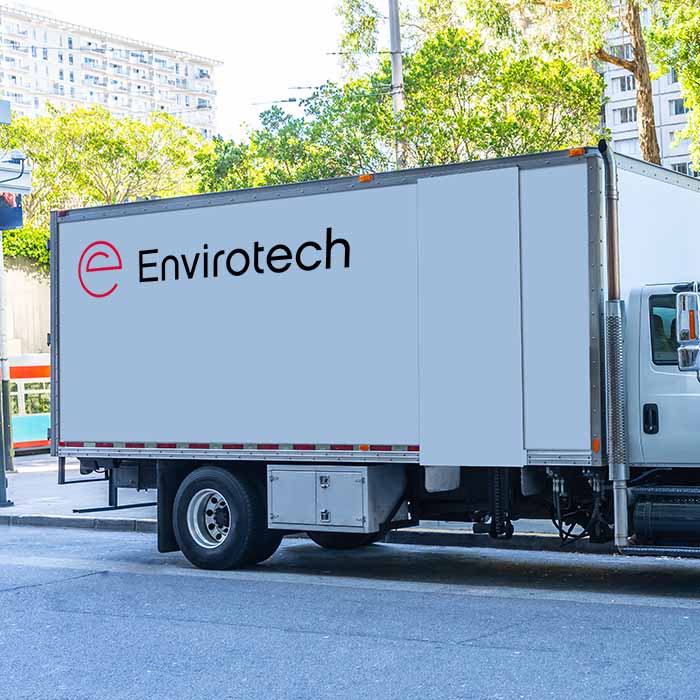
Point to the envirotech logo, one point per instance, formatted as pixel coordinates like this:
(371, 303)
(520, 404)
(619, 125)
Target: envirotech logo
(101, 264)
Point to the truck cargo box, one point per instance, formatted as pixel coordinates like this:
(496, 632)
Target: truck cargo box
(450, 315)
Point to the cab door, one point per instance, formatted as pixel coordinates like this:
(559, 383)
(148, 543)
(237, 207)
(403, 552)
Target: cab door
(670, 399)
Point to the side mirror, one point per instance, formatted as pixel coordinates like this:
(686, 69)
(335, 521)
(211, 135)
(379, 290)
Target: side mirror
(688, 331)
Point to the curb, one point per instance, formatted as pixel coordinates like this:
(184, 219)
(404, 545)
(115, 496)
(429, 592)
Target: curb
(114, 524)
(417, 536)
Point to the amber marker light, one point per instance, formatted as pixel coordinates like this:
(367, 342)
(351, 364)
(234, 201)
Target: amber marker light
(365, 178)
(577, 152)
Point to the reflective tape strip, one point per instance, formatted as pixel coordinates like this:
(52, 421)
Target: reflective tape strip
(266, 446)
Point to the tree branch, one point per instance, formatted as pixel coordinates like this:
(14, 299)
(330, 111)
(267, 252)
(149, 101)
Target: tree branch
(603, 55)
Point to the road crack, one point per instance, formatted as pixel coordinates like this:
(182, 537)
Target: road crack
(42, 584)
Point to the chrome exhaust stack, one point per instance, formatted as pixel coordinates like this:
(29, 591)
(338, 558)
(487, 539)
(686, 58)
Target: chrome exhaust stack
(618, 467)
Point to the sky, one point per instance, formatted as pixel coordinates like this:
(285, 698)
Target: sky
(267, 46)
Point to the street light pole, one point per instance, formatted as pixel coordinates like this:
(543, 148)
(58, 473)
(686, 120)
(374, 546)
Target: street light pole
(397, 89)
(6, 461)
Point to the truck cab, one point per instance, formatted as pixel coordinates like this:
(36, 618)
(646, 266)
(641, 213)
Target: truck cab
(663, 401)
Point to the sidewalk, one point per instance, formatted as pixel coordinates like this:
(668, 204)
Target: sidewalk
(39, 500)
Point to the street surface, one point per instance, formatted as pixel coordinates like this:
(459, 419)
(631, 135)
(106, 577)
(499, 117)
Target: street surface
(91, 615)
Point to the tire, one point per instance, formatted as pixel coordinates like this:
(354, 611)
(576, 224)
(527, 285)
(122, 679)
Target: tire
(345, 540)
(219, 519)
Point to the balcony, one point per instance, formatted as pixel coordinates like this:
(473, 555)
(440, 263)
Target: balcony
(15, 47)
(15, 30)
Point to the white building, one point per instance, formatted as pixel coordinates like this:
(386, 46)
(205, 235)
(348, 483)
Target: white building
(620, 111)
(44, 60)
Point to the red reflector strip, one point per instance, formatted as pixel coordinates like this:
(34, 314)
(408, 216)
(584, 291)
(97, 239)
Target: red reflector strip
(342, 448)
(166, 445)
(303, 447)
(104, 444)
(134, 444)
(233, 445)
(380, 448)
(72, 444)
(414, 448)
(198, 445)
(269, 446)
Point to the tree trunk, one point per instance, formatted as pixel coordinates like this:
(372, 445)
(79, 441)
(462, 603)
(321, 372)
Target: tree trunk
(639, 67)
(646, 122)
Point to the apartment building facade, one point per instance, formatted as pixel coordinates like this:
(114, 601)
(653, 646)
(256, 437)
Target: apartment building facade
(44, 60)
(620, 111)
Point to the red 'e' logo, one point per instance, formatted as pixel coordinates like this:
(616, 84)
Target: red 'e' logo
(99, 256)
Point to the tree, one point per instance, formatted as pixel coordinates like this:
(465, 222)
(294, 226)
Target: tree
(674, 39)
(464, 100)
(467, 101)
(581, 28)
(88, 156)
(570, 30)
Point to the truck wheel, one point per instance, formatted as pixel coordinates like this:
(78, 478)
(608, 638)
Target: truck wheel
(345, 540)
(219, 519)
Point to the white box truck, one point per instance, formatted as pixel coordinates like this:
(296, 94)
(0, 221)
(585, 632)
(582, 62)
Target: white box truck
(478, 342)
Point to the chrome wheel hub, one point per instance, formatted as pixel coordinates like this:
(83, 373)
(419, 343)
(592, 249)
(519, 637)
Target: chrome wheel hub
(208, 518)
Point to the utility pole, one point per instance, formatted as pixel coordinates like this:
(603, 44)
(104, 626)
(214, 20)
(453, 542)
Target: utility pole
(5, 369)
(397, 90)
(6, 461)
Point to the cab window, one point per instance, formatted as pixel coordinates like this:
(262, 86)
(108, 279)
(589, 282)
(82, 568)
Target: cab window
(662, 311)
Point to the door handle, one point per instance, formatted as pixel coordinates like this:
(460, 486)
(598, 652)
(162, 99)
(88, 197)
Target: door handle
(650, 418)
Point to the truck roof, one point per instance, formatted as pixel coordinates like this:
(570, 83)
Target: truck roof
(373, 180)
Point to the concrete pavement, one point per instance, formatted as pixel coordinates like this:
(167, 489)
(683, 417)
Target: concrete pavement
(101, 615)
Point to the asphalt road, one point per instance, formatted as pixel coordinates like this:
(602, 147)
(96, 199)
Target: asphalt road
(90, 615)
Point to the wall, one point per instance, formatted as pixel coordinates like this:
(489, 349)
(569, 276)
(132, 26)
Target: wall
(29, 306)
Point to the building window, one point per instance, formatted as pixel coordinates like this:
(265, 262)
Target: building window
(71, 76)
(70, 42)
(33, 51)
(625, 115)
(685, 169)
(45, 54)
(60, 74)
(36, 103)
(672, 76)
(70, 59)
(677, 107)
(60, 56)
(619, 50)
(625, 83)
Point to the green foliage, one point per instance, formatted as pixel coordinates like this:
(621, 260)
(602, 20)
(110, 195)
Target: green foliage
(27, 242)
(464, 100)
(674, 42)
(360, 20)
(88, 156)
